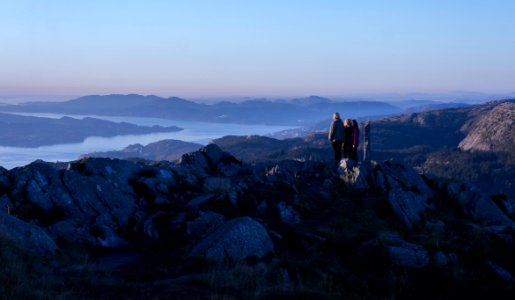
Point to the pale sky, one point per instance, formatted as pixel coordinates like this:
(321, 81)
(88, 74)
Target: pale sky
(255, 48)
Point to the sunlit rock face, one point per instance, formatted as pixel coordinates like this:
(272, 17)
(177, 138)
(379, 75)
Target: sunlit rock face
(493, 131)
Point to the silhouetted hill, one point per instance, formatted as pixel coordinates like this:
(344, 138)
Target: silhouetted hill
(163, 150)
(435, 106)
(310, 100)
(24, 131)
(298, 112)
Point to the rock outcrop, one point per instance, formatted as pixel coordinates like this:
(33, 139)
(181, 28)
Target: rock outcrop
(236, 240)
(477, 205)
(209, 212)
(406, 191)
(493, 131)
(26, 236)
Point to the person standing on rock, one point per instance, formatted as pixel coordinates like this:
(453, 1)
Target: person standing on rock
(336, 136)
(355, 141)
(348, 138)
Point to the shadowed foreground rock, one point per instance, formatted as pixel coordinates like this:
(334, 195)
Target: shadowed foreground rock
(26, 236)
(406, 191)
(235, 241)
(288, 228)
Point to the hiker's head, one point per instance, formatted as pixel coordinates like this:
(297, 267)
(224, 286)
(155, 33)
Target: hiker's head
(346, 122)
(354, 123)
(336, 116)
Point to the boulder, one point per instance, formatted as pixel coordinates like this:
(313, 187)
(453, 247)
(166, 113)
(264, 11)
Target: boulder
(204, 224)
(405, 254)
(229, 170)
(407, 206)
(287, 214)
(399, 175)
(409, 256)
(4, 180)
(152, 225)
(406, 191)
(71, 231)
(95, 196)
(234, 241)
(91, 195)
(442, 259)
(508, 205)
(115, 171)
(354, 175)
(195, 202)
(501, 272)
(6, 204)
(216, 185)
(195, 159)
(27, 236)
(213, 153)
(478, 205)
(188, 177)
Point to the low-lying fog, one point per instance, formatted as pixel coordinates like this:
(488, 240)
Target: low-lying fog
(198, 132)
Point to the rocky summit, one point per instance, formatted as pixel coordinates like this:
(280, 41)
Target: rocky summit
(210, 226)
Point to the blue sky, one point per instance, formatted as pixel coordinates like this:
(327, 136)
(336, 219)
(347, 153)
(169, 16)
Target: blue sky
(255, 48)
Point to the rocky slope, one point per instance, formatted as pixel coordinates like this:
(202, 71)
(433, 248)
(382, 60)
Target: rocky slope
(493, 131)
(486, 125)
(211, 226)
(473, 144)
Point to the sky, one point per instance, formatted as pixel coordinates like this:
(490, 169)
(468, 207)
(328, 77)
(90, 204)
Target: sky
(283, 48)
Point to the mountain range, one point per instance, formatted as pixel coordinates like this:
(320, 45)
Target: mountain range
(296, 112)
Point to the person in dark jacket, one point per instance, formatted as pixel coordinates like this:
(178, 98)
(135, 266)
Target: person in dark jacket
(336, 136)
(355, 141)
(348, 138)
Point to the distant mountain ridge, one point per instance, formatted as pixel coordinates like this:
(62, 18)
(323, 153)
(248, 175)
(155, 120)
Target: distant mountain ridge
(296, 112)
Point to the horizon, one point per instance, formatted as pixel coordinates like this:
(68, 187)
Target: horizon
(470, 97)
(201, 50)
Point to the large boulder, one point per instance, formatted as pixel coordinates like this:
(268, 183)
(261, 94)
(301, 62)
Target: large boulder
(4, 180)
(404, 254)
(407, 206)
(211, 160)
(204, 224)
(406, 191)
(92, 201)
(287, 214)
(235, 241)
(27, 236)
(353, 174)
(478, 205)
